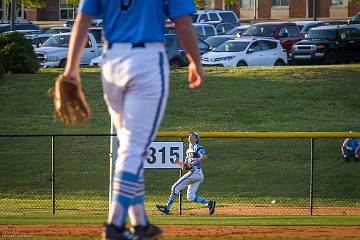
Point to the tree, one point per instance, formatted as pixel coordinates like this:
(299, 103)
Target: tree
(199, 3)
(73, 2)
(30, 3)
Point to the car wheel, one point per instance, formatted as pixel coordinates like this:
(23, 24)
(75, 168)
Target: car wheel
(279, 62)
(62, 63)
(175, 63)
(241, 64)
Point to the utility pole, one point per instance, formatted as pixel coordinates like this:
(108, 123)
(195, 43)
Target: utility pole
(314, 10)
(13, 14)
(255, 9)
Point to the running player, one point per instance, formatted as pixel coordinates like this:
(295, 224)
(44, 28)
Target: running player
(195, 155)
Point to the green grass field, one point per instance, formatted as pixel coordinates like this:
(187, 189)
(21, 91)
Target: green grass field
(238, 171)
(193, 220)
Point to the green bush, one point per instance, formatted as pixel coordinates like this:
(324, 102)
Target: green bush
(17, 54)
(2, 69)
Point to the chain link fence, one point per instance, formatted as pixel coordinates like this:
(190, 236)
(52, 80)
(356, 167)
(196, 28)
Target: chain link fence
(245, 176)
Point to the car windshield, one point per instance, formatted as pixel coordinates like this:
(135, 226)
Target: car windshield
(232, 46)
(300, 26)
(228, 17)
(236, 31)
(58, 30)
(194, 18)
(322, 34)
(356, 18)
(216, 41)
(260, 30)
(57, 41)
(233, 31)
(310, 26)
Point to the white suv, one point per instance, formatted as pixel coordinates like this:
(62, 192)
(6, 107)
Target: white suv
(247, 52)
(203, 16)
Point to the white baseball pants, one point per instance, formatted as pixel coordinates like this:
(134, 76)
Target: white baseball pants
(135, 84)
(192, 180)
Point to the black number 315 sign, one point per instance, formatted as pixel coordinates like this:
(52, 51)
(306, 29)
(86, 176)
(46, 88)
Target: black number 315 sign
(163, 154)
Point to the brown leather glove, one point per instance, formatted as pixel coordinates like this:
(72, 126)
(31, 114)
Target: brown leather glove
(70, 102)
(187, 166)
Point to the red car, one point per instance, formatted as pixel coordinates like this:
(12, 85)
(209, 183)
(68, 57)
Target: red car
(288, 33)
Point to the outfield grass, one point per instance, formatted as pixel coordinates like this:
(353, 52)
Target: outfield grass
(294, 98)
(254, 171)
(193, 220)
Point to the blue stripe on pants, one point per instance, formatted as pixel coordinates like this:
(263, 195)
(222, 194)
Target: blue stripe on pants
(158, 110)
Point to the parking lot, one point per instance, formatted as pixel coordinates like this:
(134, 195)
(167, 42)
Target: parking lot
(223, 40)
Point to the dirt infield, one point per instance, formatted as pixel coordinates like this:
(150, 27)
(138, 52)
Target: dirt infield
(269, 210)
(94, 230)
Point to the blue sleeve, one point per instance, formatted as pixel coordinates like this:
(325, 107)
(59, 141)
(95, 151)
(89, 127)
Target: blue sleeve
(201, 151)
(90, 7)
(177, 8)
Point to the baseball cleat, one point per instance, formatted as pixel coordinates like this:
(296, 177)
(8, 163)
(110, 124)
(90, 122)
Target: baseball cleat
(148, 232)
(112, 232)
(163, 209)
(212, 206)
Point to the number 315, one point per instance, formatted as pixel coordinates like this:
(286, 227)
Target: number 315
(174, 153)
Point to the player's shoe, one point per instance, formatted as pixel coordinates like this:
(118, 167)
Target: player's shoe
(112, 232)
(148, 232)
(212, 206)
(163, 209)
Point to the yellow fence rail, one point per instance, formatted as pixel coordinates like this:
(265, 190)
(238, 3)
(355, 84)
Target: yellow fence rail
(264, 134)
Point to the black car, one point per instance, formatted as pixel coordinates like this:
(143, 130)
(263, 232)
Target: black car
(355, 19)
(176, 54)
(69, 23)
(328, 45)
(216, 41)
(25, 27)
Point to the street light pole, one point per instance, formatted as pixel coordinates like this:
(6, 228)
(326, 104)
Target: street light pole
(314, 10)
(13, 14)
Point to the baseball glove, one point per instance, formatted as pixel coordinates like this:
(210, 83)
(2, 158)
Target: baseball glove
(69, 101)
(187, 166)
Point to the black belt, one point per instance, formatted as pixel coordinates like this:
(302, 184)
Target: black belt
(134, 45)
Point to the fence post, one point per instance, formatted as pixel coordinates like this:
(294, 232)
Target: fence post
(53, 173)
(180, 194)
(114, 146)
(312, 151)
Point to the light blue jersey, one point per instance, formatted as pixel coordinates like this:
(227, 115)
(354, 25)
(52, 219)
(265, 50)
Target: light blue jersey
(352, 143)
(193, 153)
(351, 148)
(135, 21)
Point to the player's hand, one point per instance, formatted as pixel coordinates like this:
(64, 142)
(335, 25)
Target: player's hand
(177, 160)
(71, 73)
(196, 75)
